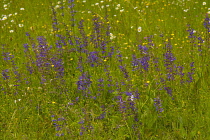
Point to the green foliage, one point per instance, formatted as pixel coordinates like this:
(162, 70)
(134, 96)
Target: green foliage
(122, 69)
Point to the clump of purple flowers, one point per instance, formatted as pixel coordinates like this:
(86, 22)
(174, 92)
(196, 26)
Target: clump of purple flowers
(158, 105)
(206, 23)
(84, 82)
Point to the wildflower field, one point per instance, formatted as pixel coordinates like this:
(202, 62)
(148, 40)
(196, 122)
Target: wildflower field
(105, 70)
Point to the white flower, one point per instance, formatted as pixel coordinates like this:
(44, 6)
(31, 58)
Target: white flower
(122, 10)
(186, 10)
(15, 14)
(12, 20)
(118, 5)
(4, 18)
(112, 36)
(22, 9)
(107, 5)
(102, 1)
(57, 6)
(84, 1)
(11, 31)
(17, 100)
(117, 8)
(132, 97)
(20, 25)
(10, 15)
(204, 3)
(96, 3)
(5, 5)
(139, 29)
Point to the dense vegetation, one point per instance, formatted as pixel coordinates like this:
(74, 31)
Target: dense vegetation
(105, 70)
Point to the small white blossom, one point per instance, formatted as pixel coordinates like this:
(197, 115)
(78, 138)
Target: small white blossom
(118, 5)
(11, 31)
(57, 6)
(122, 10)
(20, 25)
(12, 20)
(96, 3)
(139, 29)
(132, 97)
(186, 10)
(5, 5)
(204, 3)
(4, 18)
(112, 36)
(22, 9)
(107, 5)
(17, 100)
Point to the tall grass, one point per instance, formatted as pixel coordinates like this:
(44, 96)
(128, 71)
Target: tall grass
(105, 69)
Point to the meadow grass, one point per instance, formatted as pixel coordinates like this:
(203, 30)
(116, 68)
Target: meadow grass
(105, 70)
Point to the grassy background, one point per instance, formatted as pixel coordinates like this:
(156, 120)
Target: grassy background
(75, 80)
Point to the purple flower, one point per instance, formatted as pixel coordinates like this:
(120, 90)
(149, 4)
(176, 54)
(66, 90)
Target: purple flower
(84, 82)
(169, 57)
(206, 23)
(168, 90)
(144, 49)
(81, 122)
(102, 116)
(93, 58)
(58, 65)
(141, 62)
(158, 104)
(123, 69)
(128, 93)
(7, 56)
(5, 74)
